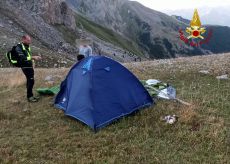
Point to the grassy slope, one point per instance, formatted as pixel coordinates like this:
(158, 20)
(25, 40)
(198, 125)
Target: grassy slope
(107, 34)
(38, 133)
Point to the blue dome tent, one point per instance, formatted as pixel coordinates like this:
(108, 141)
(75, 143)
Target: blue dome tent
(98, 90)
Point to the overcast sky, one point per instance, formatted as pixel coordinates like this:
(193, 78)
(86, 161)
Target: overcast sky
(163, 5)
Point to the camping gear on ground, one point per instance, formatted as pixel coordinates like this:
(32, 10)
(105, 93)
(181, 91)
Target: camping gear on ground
(99, 90)
(163, 90)
(157, 88)
(49, 91)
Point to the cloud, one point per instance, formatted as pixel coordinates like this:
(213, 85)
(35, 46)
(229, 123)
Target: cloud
(162, 5)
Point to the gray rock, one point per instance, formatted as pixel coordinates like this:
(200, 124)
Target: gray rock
(49, 78)
(204, 72)
(1, 25)
(222, 77)
(50, 83)
(52, 78)
(63, 62)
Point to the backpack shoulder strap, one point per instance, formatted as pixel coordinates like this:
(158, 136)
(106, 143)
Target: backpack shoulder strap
(20, 50)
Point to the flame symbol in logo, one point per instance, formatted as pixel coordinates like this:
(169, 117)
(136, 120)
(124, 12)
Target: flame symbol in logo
(195, 30)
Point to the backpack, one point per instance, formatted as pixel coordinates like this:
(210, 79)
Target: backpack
(13, 57)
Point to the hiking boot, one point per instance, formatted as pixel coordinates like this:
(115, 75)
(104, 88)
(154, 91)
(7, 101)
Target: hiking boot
(32, 99)
(36, 97)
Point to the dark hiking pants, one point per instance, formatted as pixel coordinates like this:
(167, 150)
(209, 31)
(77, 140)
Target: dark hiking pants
(29, 73)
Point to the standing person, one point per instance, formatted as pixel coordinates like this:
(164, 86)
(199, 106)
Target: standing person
(85, 49)
(26, 64)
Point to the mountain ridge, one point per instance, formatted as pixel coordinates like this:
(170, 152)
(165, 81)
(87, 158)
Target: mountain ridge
(120, 29)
